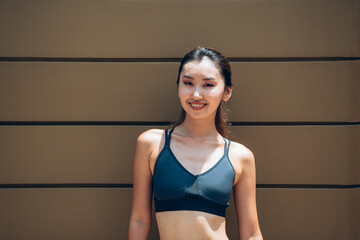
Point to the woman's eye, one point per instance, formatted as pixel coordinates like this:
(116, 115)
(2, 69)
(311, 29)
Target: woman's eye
(208, 85)
(187, 83)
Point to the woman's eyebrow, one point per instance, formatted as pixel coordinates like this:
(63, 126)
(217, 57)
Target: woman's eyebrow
(204, 79)
(187, 76)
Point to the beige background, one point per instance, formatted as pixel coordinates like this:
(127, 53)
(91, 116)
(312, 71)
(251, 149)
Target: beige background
(111, 65)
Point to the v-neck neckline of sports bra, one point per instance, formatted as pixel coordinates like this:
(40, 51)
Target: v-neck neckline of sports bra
(185, 169)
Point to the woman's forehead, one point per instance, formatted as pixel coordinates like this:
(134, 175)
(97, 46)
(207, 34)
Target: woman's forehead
(204, 67)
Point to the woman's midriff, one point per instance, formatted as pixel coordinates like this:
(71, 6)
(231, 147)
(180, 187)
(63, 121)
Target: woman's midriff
(188, 225)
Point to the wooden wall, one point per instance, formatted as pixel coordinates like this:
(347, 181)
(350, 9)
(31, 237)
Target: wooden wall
(80, 80)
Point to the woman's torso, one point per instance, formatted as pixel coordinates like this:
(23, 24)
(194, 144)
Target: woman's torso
(197, 158)
(180, 225)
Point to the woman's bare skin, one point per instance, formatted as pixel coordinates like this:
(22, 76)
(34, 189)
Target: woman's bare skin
(191, 224)
(198, 146)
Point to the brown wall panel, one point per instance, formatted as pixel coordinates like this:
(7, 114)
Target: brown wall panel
(77, 213)
(303, 154)
(88, 91)
(354, 166)
(355, 209)
(67, 154)
(296, 91)
(299, 214)
(354, 96)
(263, 91)
(104, 213)
(104, 154)
(169, 28)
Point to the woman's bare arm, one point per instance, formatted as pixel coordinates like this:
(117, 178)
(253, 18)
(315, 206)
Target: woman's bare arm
(140, 218)
(245, 198)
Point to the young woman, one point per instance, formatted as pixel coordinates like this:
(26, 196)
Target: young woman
(192, 168)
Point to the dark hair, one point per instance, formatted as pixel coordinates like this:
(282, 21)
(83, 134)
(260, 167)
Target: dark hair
(223, 65)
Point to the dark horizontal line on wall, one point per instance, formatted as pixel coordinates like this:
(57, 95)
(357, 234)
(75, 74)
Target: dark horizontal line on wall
(294, 59)
(84, 123)
(231, 59)
(67, 185)
(140, 123)
(75, 59)
(309, 186)
(129, 185)
(292, 123)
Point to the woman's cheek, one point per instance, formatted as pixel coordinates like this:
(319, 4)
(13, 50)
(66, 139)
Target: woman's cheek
(182, 96)
(182, 90)
(215, 94)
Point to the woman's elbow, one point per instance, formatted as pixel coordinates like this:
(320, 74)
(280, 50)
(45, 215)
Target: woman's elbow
(139, 229)
(256, 237)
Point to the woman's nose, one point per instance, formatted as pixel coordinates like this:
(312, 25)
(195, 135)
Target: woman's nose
(196, 94)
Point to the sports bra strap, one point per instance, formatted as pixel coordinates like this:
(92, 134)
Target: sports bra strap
(167, 137)
(227, 145)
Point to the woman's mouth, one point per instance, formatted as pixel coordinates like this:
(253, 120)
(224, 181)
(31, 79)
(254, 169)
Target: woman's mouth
(197, 106)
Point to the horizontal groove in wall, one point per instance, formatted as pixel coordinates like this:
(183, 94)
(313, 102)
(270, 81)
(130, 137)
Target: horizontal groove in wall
(240, 59)
(129, 185)
(292, 123)
(67, 185)
(309, 186)
(135, 123)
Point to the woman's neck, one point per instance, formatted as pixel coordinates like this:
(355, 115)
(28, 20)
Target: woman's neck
(198, 128)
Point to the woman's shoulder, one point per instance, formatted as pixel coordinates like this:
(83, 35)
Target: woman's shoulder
(150, 136)
(149, 144)
(241, 153)
(242, 158)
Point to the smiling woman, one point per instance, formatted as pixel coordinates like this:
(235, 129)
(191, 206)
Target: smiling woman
(221, 70)
(192, 168)
(202, 88)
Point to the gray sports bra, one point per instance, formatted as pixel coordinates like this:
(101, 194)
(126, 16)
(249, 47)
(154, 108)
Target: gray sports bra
(175, 188)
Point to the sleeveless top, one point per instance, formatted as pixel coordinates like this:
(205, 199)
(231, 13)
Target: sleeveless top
(175, 188)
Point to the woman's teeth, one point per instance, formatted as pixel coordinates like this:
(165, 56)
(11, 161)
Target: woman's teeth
(197, 105)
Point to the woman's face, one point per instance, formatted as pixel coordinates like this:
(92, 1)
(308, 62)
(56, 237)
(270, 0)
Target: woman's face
(201, 88)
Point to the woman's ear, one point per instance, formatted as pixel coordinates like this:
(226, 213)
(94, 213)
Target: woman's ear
(227, 93)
